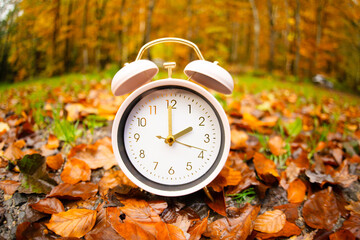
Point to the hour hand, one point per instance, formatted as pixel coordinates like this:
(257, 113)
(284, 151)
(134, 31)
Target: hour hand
(183, 132)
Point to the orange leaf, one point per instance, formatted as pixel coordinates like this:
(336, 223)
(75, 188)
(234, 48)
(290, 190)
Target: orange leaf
(296, 191)
(48, 205)
(270, 221)
(218, 205)
(112, 179)
(139, 210)
(72, 223)
(53, 142)
(290, 210)
(198, 229)
(13, 152)
(276, 145)
(341, 235)
(75, 171)
(9, 186)
(238, 139)
(168, 232)
(290, 229)
(55, 162)
(353, 224)
(228, 176)
(77, 191)
(265, 168)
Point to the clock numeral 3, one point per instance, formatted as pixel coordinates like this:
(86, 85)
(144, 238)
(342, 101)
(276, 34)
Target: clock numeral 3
(141, 122)
(201, 155)
(142, 153)
(137, 136)
(188, 166)
(152, 109)
(171, 171)
(207, 140)
(202, 119)
(173, 102)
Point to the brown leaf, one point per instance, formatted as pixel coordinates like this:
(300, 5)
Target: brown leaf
(9, 186)
(276, 145)
(270, 221)
(139, 210)
(353, 224)
(55, 162)
(198, 229)
(14, 152)
(238, 139)
(320, 210)
(27, 230)
(72, 223)
(289, 229)
(77, 191)
(75, 171)
(342, 235)
(97, 155)
(227, 176)
(168, 232)
(218, 205)
(342, 176)
(48, 205)
(159, 206)
(53, 142)
(296, 191)
(248, 178)
(112, 179)
(265, 168)
(290, 210)
(237, 227)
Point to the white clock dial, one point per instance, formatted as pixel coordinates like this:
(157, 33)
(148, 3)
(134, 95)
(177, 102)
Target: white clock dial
(147, 126)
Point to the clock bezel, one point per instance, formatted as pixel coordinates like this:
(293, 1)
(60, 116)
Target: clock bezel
(132, 173)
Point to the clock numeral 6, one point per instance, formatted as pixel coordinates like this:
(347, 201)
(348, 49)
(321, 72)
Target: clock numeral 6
(201, 155)
(202, 120)
(142, 153)
(188, 166)
(137, 136)
(207, 140)
(171, 171)
(173, 102)
(141, 122)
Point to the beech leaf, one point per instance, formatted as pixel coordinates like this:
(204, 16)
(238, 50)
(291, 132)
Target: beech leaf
(198, 229)
(9, 186)
(55, 162)
(289, 229)
(265, 168)
(48, 205)
(75, 171)
(139, 210)
(83, 190)
(270, 221)
(296, 191)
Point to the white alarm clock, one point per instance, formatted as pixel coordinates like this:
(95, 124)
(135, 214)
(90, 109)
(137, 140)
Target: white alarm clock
(171, 137)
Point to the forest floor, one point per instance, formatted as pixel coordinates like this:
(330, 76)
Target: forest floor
(292, 172)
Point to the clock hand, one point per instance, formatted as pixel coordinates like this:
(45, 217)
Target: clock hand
(187, 145)
(170, 138)
(183, 132)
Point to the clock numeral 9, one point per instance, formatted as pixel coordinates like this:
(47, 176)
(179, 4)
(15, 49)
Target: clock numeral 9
(201, 155)
(207, 140)
(188, 166)
(151, 109)
(171, 171)
(142, 153)
(137, 136)
(141, 122)
(202, 119)
(173, 102)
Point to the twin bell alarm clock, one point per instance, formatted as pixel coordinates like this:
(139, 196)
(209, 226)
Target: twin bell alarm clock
(171, 137)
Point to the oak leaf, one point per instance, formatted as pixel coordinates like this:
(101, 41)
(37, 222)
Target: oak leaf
(48, 205)
(270, 221)
(265, 168)
(72, 223)
(9, 186)
(296, 191)
(55, 162)
(75, 171)
(83, 190)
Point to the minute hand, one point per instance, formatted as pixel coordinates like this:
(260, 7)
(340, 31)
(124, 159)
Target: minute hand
(183, 132)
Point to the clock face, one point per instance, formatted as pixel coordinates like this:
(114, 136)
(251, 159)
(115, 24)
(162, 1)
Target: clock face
(170, 139)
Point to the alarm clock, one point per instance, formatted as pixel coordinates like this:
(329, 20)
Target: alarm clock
(171, 137)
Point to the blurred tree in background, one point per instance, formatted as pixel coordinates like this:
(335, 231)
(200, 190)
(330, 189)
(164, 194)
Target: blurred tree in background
(298, 38)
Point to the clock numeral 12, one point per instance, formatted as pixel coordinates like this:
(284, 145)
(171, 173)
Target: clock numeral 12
(173, 102)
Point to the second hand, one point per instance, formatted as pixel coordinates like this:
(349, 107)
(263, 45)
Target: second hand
(187, 145)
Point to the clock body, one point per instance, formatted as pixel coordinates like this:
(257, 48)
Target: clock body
(198, 122)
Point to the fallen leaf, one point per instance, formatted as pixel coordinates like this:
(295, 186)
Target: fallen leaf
(320, 210)
(112, 179)
(353, 206)
(9, 186)
(289, 229)
(4, 127)
(296, 191)
(72, 223)
(290, 210)
(82, 190)
(13, 152)
(248, 178)
(276, 145)
(270, 221)
(75, 171)
(48, 205)
(139, 210)
(342, 235)
(353, 224)
(238, 139)
(53, 142)
(228, 176)
(158, 205)
(198, 229)
(342, 176)
(218, 205)
(168, 232)
(265, 168)
(35, 178)
(27, 230)
(55, 162)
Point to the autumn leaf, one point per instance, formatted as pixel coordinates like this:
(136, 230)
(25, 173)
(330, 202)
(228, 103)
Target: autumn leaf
(248, 178)
(14, 152)
(341, 235)
(296, 191)
(198, 229)
(48, 205)
(342, 176)
(218, 205)
(289, 229)
(265, 168)
(353, 224)
(139, 210)
(72, 223)
(55, 162)
(9, 186)
(168, 232)
(75, 171)
(77, 191)
(270, 221)
(320, 210)
(158, 205)
(238, 139)
(227, 177)
(112, 179)
(290, 210)
(53, 142)
(276, 145)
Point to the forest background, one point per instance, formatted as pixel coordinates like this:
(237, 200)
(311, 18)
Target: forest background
(292, 39)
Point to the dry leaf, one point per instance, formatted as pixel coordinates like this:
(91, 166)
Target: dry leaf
(265, 168)
(238, 139)
(276, 145)
(139, 210)
(112, 179)
(9, 186)
(289, 229)
(159, 206)
(342, 235)
(296, 191)
(77, 191)
(198, 229)
(72, 223)
(353, 224)
(228, 176)
(75, 171)
(53, 142)
(48, 205)
(55, 162)
(168, 232)
(14, 152)
(270, 221)
(218, 205)
(290, 210)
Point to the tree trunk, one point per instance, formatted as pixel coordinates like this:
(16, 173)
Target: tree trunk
(271, 37)
(120, 34)
(149, 13)
(100, 11)
(298, 39)
(84, 44)
(56, 25)
(286, 40)
(256, 33)
(67, 60)
(319, 21)
(189, 32)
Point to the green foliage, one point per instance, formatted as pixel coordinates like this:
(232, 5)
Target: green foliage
(294, 128)
(93, 121)
(245, 196)
(65, 130)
